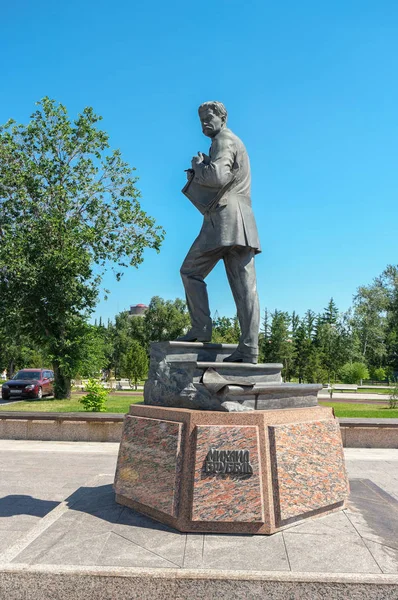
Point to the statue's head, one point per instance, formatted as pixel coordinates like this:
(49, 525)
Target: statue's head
(213, 116)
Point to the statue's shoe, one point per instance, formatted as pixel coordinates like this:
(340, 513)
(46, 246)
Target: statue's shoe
(239, 356)
(195, 336)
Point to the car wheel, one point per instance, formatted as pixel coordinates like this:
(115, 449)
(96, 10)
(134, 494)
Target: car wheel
(5, 396)
(39, 394)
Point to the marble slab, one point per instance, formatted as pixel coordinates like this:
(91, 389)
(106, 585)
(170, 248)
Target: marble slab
(227, 487)
(308, 469)
(149, 463)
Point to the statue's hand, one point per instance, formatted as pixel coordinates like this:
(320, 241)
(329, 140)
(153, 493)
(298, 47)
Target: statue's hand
(197, 160)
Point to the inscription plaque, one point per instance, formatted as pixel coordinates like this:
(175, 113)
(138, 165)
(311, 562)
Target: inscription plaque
(228, 462)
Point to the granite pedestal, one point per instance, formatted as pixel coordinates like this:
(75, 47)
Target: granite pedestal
(228, 447)
(253, 472)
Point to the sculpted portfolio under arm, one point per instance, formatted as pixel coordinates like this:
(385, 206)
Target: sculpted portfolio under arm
(219, 170)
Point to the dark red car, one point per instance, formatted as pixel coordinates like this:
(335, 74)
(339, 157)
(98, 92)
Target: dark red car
(29, 383)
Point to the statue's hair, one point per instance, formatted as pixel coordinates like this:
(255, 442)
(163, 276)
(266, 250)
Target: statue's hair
(217, 107)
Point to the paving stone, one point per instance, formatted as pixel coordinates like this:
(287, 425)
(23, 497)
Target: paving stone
(73, 527)
(73, 550)
(100, 520)
(62, 544)
(336, 524)
(375, 522)
(386, 558)
(147, 533)
(328, 554)
(256, 552)
(194, 547)
(362, 489)
(17, 523)
(51, 537)
(93, 498)
(121, 552)
(9, 538)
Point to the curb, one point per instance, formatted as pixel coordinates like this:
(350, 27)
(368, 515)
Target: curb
(54, 582)
(107, 427)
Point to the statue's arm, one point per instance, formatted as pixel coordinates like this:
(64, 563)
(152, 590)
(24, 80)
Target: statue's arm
(218, 172)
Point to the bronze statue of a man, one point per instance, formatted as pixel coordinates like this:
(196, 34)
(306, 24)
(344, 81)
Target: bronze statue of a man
(219, 185)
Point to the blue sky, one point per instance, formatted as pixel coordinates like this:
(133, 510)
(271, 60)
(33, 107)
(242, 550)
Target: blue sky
(310, 87)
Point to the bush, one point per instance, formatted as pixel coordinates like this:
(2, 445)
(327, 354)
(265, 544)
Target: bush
(393, 401)
(379, 374)
(96, 398)
(354, 372)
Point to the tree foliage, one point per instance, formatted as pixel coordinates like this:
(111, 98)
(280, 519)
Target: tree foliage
(225, 330)
(278, 346)
(354, 372)
(96, 397)
(69, 207)
(135, 363)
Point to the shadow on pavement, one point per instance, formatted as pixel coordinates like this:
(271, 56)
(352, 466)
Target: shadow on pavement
(100, 502)
(19, 504)
(373, 512)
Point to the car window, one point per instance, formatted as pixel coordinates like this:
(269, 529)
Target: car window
(27, 375)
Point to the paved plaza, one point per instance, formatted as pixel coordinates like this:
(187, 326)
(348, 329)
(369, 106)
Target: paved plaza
(57, 508)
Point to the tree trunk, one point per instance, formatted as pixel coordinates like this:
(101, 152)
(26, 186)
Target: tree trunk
(62, 384)
(10, 369)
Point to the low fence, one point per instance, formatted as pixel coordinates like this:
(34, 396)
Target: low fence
(67, 427)
(107, 427)
(80, 385)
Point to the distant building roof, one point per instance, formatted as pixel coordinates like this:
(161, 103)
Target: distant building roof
(137, 310)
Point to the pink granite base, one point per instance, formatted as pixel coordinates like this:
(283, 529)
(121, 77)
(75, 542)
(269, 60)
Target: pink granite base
(254, 472)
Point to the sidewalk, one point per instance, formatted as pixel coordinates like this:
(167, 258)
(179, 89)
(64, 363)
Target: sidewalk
(354, 397)
(57, 510)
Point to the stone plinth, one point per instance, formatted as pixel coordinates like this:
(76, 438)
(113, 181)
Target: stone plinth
(253, 472)
(193, 375)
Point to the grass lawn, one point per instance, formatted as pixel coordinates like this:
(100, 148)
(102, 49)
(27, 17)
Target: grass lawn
(121, 403)
(115, 404)
(367, 411)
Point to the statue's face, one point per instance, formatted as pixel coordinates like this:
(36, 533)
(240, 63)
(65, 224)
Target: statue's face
(211, 123)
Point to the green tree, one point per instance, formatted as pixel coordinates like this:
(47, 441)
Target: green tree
(280, 347)
(90, 357)
(379, 374)
(388, 283)
(69, 207)
(314, 371)
(303, 349)
(165, 319)
(369, 323)
(332, 340)
(18, 351)
(263, 339)
(122, 339)
(309, 320)
(226, 330)
(135, 363)
(354, 372)
(331, 313)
